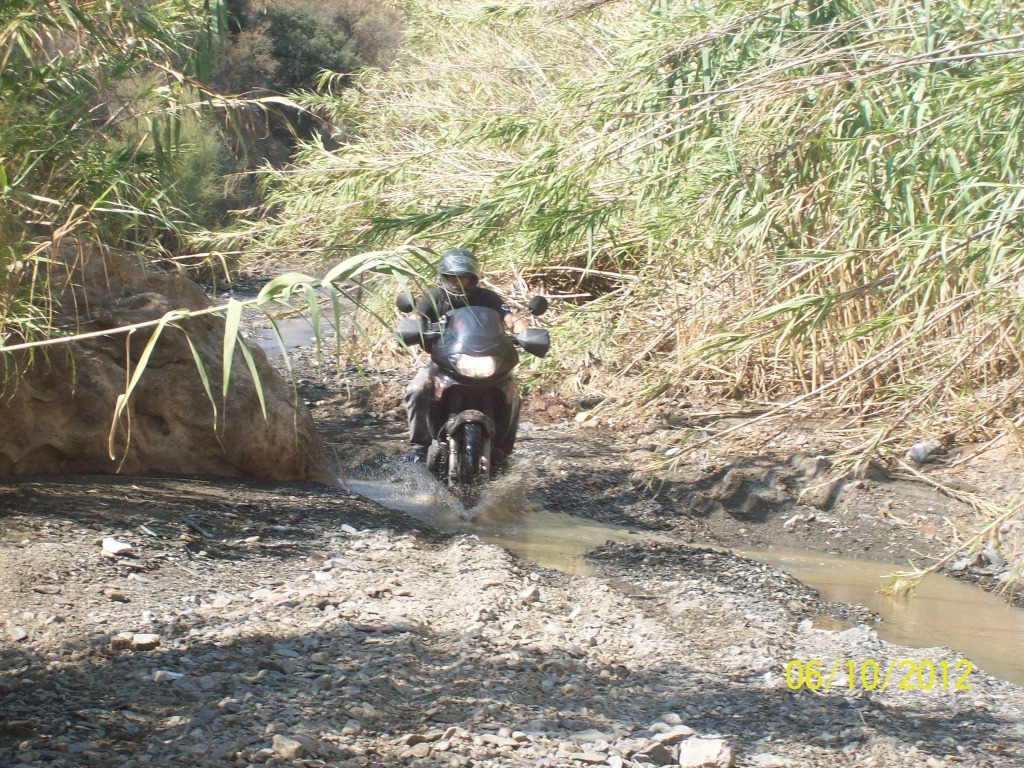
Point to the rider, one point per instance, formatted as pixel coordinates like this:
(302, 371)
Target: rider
(459, 277)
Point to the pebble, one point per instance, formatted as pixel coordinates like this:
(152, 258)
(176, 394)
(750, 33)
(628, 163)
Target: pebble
(925, 451)
(530, 595)
(705, 753)
(674, 735)
(115, 547)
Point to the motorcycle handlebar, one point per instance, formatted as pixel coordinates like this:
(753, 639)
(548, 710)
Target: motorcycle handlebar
(535, 341)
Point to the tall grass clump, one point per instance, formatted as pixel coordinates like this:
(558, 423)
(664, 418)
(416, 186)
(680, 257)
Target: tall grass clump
(93, 98)
(815, 201)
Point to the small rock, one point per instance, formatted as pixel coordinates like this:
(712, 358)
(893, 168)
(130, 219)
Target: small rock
(412, 739)
(591, 758)
(17, 633)
(768, 760)
(674, 735)
(705, 753)
(115, 547)
(417, 751)
(809, 466)
(289, 749)
(530, 595)
(145, 641)
(656, 753)
(925, 451)
(324, 682)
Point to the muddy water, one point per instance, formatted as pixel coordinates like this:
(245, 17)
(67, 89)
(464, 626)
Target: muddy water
(504, 517)
(296, 331)
(940, 612)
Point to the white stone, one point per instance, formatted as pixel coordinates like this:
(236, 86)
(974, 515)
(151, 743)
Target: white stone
(705, 753)
(115, 547)
(289, 749)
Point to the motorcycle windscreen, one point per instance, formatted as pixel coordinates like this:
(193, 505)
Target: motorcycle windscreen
(475, 330)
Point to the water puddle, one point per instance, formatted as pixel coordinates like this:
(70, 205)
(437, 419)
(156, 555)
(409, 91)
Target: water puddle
(504, 517)
(939, 612)
(296, 331)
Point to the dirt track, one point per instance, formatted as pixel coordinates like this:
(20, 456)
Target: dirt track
(255, 625)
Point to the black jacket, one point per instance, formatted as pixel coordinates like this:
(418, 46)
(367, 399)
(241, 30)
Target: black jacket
(433, 305)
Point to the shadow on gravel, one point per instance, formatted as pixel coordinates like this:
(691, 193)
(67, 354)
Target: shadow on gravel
(354, 686)
(215, 517)
(354, 689)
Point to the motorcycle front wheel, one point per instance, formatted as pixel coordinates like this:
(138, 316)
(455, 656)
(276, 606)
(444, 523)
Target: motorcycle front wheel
(471, 453)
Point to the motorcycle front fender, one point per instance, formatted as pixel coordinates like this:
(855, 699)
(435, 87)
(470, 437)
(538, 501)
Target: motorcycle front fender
(506, 399)
(455, 422)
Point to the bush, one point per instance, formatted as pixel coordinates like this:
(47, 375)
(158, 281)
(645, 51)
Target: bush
(305, 42)
(247, 64)
(199, 171)
(285, 45)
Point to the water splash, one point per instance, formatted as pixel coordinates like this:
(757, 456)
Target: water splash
(504, 514)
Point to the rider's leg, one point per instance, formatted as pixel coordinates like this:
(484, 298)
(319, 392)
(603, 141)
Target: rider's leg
(417, 406)
(508, 425)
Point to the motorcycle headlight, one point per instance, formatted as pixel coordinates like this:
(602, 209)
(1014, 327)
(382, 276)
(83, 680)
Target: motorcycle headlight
(476, 367)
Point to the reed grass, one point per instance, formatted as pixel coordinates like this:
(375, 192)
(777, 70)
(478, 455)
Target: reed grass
(806, 203)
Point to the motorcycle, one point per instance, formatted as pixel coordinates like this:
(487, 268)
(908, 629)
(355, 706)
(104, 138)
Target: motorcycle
(474, 402)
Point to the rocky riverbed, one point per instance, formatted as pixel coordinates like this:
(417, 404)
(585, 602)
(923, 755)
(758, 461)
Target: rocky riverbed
(156, 622)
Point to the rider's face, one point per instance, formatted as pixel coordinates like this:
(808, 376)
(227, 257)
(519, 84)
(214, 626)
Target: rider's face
(459, 282)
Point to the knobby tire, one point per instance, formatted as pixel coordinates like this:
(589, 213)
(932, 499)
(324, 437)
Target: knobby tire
(471, 453)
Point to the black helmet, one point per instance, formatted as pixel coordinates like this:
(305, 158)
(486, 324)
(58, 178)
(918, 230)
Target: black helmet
(458, 262)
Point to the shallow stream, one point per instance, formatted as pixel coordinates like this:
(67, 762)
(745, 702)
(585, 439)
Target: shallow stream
(939, 612)
(296, 331)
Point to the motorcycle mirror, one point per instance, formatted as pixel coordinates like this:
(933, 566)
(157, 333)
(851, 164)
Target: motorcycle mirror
(535, 341)
(404, 302)
(538, 306)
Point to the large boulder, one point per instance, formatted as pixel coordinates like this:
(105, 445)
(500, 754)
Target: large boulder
(58, 410)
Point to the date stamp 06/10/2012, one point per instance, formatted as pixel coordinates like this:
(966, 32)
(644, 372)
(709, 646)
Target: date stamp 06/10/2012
(870, 675)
